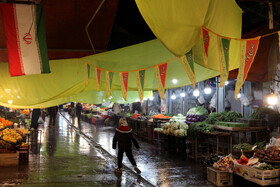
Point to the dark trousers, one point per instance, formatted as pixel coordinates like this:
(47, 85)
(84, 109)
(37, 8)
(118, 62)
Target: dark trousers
(129, 155)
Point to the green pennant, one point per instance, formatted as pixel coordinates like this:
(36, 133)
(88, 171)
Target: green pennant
(224, 45)
(188, 64)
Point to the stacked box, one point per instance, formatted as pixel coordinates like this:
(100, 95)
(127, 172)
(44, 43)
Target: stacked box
(219, 178)
(9, 159)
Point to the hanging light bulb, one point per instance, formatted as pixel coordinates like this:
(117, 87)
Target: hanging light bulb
(196, 92)
(238, 95)
(182, 94)
(151, 98)
(174, 81)
(137, 100)
(207, 90)
(272, 99)
(226, 83)
(173, 96)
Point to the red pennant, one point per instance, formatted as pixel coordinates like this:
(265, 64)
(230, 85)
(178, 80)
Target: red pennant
(125, 79)
(162, 73)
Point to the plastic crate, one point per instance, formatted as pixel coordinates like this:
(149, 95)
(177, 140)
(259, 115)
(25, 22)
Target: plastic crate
(219, 178)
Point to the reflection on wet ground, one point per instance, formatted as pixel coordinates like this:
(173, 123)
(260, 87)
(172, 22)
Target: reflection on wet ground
(64, 158)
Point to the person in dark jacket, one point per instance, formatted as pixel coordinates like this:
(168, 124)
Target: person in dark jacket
(36, 113)
(79, 108)
(125, 138)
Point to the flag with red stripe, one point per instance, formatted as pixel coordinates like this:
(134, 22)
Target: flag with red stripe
(25, 38)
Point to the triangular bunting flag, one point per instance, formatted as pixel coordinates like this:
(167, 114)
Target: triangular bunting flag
(248, 52)
(87, 73)
(140, 80)
(25, 35)
(124, 83)
(109, 81)
(188, 64)
(223, 46)
(205, 41)
(98, 76)
(160, 71)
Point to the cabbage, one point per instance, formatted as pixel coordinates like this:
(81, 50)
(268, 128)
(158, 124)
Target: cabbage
(198, 110)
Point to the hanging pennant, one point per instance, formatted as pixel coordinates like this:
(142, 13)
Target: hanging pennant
(205, 40)
(87, 73)
(124, 83)
(160, 71)
(109, 80)
(140, 80)
(188, 64)
(223, 46)
(25, 35)
(248, 52)
(98, 75)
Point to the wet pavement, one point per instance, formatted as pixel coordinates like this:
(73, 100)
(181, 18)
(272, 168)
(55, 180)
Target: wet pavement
(66, 158)
(72, 154)
(160, 169)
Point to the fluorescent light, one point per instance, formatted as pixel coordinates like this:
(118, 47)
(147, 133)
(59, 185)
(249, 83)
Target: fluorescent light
(174, 81)
(10, 101)
(151, 98)
(173, 97)
(182, 94)
(137, 100)
(196, 92)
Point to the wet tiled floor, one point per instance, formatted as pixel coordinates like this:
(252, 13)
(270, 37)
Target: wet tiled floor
(82, 155)
(64, 158)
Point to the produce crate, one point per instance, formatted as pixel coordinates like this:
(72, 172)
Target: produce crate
(219, 178)
(9, 159)
(263, 177)
(23, 154)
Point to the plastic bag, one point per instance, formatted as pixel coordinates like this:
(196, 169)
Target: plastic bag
(40, 120)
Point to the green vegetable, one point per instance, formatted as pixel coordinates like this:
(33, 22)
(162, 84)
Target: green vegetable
(198, 110)
(196, 128)
(262, 112)
(223, 116)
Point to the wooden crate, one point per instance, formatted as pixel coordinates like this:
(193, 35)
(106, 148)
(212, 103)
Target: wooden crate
(9, 159)
(219, 178)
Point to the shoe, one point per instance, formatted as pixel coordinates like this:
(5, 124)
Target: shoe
(137, 170)
(118, 170)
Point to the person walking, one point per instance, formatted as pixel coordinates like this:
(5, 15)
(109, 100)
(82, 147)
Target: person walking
(52, 113)
(79, 108)
(36, 113)
(124, 138)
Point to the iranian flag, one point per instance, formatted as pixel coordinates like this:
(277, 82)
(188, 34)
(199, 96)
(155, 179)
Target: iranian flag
(25, 39)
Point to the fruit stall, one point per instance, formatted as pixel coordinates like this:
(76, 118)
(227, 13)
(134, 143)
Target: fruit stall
(13, 147)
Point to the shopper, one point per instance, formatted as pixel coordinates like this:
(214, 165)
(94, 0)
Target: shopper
(124, 137)
(79, 108)
(52, 113)
(36, 113)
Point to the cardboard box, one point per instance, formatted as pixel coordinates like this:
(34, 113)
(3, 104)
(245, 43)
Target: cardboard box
(219, 178)
(263, 177)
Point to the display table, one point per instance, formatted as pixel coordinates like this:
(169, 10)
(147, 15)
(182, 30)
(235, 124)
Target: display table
(240, 130)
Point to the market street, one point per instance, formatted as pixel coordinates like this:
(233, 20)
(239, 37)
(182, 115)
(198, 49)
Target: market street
(65, 159)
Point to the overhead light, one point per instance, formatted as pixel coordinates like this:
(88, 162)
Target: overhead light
(272, 99)
(104, 100)
(238, 95)
(110, 97)
(151, 98)
(182, 94)
(137, 100)
(174, 81)
(207, 90)
(10, 101)
(226, 83)
(18, 96)
(173, 96)
(145, 99)
(196, 92)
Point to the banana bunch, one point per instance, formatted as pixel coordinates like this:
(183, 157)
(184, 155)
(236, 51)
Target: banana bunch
(10, 135)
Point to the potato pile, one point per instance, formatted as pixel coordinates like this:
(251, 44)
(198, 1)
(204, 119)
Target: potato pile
(271, 153)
